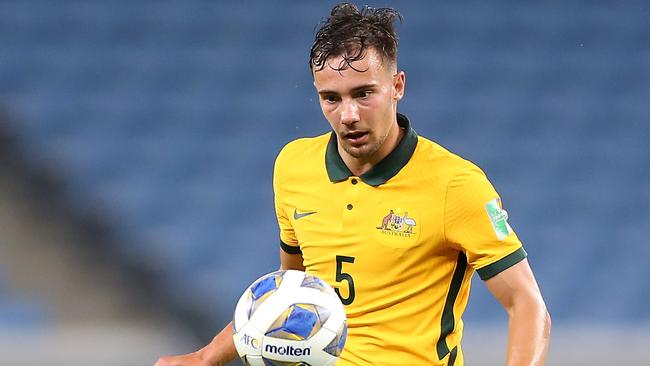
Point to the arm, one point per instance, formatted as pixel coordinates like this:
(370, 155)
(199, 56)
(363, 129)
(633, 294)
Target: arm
(529, 321)
(218, 352)
(291, 261)
(221, 349)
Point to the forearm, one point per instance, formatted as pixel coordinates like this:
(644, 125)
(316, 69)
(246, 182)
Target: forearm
(529, 334)
(221, 349)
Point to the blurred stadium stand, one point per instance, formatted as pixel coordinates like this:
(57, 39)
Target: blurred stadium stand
(64, 297)
(162, 119)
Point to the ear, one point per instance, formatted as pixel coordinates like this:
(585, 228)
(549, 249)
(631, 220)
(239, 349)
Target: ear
(399, 83)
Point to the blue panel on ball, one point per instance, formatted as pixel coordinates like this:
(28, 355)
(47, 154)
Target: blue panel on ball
(344, 336)
(268, 284)
(323, 313)
(314, 282)
(336, 345)
(300, 322)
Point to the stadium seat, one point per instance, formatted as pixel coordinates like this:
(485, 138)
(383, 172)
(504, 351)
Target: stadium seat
(165, 117)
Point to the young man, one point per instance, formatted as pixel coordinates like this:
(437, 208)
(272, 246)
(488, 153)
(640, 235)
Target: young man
(394, 222)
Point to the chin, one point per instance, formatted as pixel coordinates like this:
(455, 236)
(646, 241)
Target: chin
(360, 152)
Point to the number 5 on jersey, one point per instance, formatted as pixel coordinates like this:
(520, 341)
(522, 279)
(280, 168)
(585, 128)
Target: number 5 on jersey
(344, 276)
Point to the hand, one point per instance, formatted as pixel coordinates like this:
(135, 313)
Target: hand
(218, 352)
(190, 359)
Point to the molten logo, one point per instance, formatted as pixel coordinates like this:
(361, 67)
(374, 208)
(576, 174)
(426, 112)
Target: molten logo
(287, 350)
(250, 341)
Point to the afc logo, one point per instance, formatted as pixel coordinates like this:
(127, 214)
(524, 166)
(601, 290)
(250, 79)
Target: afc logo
(250, 341)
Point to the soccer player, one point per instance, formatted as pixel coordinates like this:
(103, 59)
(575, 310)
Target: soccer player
(394, 222)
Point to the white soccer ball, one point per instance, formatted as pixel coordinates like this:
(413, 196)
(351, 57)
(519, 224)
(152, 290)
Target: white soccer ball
(289, 318)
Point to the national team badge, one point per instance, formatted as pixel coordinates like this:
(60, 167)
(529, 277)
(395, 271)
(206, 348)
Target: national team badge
(398, 224)
(498, 218)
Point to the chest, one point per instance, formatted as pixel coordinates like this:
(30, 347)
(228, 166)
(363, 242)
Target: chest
(393, 224)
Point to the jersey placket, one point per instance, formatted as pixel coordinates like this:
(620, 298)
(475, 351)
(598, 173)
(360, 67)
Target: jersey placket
(351, 204)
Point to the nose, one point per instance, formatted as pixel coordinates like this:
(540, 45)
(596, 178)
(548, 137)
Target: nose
(349, 113)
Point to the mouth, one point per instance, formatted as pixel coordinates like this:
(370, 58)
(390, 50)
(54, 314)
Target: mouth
(356, 138)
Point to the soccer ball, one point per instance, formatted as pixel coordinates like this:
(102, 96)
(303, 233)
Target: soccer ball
(289, 318)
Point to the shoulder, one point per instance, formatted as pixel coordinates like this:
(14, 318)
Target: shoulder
(439, 163)
(303, 145)
(301, 153)
(461, 179)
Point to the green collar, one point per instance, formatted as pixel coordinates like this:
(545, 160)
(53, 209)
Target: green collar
(385, 169)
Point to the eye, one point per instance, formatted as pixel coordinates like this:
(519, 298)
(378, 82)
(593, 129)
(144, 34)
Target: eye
(363, 94)
(330, 98)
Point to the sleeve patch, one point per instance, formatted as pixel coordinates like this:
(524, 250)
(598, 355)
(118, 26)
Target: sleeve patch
(498, 218)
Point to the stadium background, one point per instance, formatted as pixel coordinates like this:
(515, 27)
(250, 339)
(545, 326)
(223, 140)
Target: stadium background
(137, 141)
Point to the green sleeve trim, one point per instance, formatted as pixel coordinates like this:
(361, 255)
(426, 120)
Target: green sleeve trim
(502, 264)
(290, 248)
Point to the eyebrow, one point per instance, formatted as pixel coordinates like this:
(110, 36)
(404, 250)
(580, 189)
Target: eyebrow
(356, 89)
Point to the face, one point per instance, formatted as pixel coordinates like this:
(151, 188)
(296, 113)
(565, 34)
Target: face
(361, 106)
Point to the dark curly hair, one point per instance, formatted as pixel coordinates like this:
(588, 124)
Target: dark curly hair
(349, 31)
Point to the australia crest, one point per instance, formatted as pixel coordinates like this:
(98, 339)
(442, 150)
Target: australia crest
(398, 224)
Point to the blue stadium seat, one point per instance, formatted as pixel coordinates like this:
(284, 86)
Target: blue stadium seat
(166, 117)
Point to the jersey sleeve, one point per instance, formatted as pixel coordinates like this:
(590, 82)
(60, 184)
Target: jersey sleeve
(288, 240)
(476, 223)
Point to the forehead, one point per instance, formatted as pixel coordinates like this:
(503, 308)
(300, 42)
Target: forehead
(368, 70)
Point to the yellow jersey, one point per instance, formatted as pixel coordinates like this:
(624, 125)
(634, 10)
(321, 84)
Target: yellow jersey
(399, 243)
